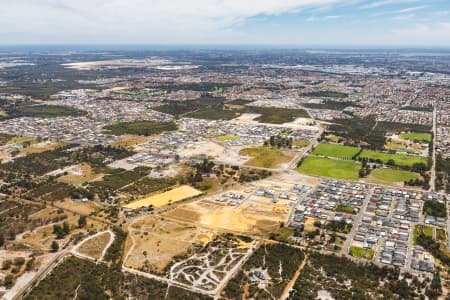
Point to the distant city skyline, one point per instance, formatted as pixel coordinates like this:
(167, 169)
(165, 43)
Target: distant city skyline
(352, 23)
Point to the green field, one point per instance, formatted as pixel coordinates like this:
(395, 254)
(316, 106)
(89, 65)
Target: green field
(265, 157)
(223, 138)
(346, 209)
(327, 167)
(399, 159)
(362, 252)
(336, 150)
(422, 137)
(426, 230)
(301, 143)
(140, 128)
(393, 175)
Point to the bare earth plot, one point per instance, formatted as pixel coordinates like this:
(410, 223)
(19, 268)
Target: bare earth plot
(82, 208)
(256, 216)
(80, 174)
(161, 199)
(155, 242)
(93, 247)
(185, 254)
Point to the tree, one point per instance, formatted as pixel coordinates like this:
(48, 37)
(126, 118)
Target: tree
(7, 263)
(8, 282)
(55, 246)
(391, 162)
(82, 221)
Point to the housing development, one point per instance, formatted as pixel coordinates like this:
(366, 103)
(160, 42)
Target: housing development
(225, 174)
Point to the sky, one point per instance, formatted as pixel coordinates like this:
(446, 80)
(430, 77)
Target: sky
(424, 23)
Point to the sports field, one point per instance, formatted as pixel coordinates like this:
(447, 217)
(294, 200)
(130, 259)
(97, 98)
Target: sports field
(393, 175)
(423, 137)
(399, 159)
(335, 150)
(327, 167)
(161, 199)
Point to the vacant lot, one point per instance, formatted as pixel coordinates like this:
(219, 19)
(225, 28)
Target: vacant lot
(393, 175)
(41, 147)
(129, 140)
(94, 246)
(362, 252)
(156, 241)
(257, 216)
(336, 150)
(80, 174)
(79, 207)
(327, 167)
(399, 159)
(422, 137)
(172, 196)
(265, 157)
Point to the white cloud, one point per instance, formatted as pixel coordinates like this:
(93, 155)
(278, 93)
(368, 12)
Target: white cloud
(425, 34)
(147, 21)
(322, 18)
(410, 9)
(403, 17)
(375, 4)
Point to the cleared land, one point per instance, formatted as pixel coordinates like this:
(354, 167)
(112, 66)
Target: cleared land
(336, 150)
(327, 167)
(393, 175)
(83, 173)
(93, 247)
(129, 141)
(79, 207)
(41, 147)
(265, 157)
(172, 196)
(362, 252)
(424, 137)
(399, 159)
(156, 241)
(257, 216)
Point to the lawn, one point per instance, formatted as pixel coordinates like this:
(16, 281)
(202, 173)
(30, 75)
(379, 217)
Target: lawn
(333, 138)
(327, 167)
(265, 157)
(393, 175)
(422, 137)
(346, 209)
(362, 252)
(301, 143)
(335, 150)
(426, 230)
(223, 138)
(399, 159)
